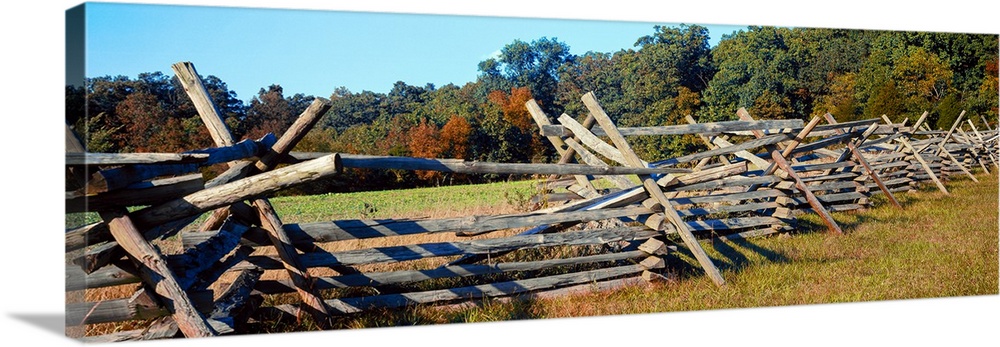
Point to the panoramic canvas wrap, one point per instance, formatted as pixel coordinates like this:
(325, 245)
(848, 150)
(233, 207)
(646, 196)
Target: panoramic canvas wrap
(239, 171)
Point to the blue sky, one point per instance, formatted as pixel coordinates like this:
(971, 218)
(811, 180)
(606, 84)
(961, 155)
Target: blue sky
(313, 52)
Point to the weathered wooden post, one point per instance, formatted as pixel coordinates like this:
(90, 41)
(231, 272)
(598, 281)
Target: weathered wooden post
(950, 132)
(653, 189)
(860, 158)
(151, 264)
(780, 162)
(270, 220)
(565, 151)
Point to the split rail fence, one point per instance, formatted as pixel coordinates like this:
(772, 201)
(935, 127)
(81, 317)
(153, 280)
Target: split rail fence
(754, 179)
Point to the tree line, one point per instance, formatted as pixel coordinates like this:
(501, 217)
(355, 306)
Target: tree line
(776, 73)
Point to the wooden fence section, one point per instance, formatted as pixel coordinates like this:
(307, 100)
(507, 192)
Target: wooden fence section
(613, 221)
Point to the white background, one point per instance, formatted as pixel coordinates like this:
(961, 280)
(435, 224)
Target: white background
(32, 96)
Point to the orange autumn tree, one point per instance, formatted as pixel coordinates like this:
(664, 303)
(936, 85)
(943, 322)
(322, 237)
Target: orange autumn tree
(455, 137)
(141, 115)
(514, 112)
(512, 106)
(425, 142)
(150, 128)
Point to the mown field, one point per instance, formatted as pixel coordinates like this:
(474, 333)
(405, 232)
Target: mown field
(938, 245)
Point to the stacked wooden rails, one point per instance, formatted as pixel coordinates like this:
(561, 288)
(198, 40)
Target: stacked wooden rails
(214, 286)
(754, 179)
(824, 168)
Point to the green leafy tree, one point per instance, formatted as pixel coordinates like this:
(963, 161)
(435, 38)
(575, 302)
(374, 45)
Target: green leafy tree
(533, 65)
(947, 111)
(887, 101)
(839, 100)
(755, 69)
(985, 98)
(348, 109)
(593, 71)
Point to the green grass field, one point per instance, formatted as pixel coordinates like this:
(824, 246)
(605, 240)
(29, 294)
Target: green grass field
(407, 203)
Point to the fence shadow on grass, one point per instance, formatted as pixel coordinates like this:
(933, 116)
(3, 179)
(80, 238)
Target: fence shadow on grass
(732, 255)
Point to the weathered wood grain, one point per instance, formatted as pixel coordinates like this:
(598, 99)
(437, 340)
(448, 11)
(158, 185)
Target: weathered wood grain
(77, 279)
(195, 260)
(732, 223)
(117, 178)
(477, 167)
(441, 249)
(618, 199)
(757, 143)
(86, 158)
(728, 182)
(211, 198)
(139, 306)
(742, 207)
(591, 159)
(590, 101)
(297, 271)
(823, 166)
(976, 156)
(839, 176)
(924, 164)
(579, 289)
(815, 203)
(378, 279)
(752, 233)
(732, 197)
(745, 155)
(233, 298)
(707, 140)
(566, 154)
(272, 156)
(162, 328)
(305, 234)
(244, 189)
(291, 137)
(703, 176)
(919, 122)
(778, 158)
(154, 271)
(947, 136)
(360, 304)
(829, 141)
(139, 194)
(959, 165)
(588, 138)
(860, 158)
(825, 130)
(687, 129)
(829, 199)
(835, 185)
(202, 101)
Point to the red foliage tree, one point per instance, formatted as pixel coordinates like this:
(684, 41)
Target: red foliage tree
(142, 117)
(425, 142)
(516, 113)
(455, 137)
(269, 112)
(512, 106)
